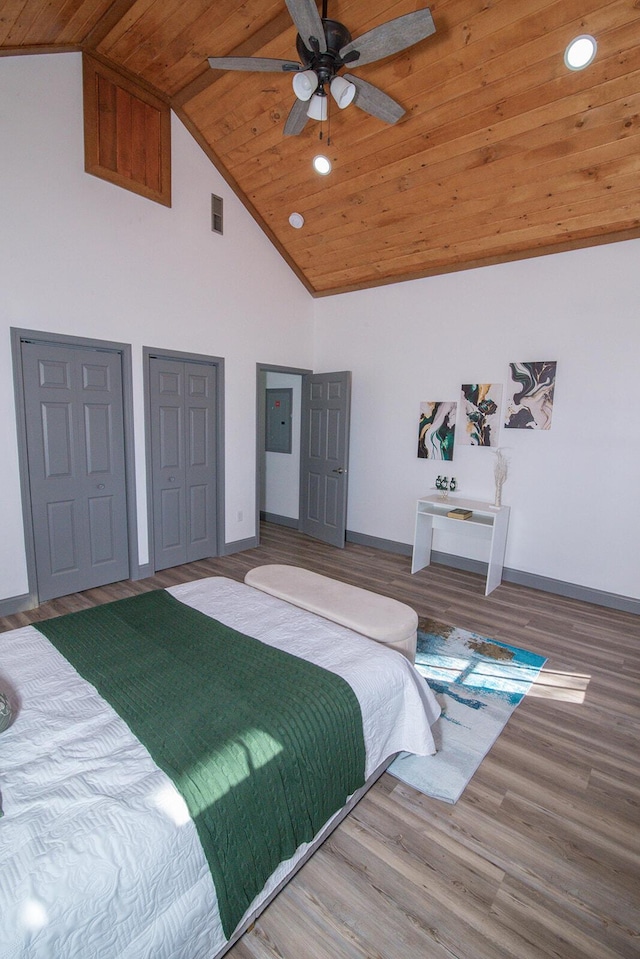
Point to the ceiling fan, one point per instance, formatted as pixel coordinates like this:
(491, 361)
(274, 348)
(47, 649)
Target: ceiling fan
(325, 47)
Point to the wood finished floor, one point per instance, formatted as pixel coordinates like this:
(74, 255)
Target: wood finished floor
(541, 855)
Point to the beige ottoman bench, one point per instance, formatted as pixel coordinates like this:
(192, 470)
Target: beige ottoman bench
(377, 617)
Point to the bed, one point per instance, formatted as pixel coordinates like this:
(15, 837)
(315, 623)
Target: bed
(100, 854)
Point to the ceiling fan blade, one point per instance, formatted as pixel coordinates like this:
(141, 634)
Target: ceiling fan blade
(261, 64)
(307, 22)
(390, 37)
(297, 118)
(374, 101)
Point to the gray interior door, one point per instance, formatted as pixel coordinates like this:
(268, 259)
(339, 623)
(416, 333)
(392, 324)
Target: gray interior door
(76, 463)
(183, 424)
(326, 406)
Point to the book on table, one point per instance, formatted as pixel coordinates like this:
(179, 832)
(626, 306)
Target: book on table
(459, 513)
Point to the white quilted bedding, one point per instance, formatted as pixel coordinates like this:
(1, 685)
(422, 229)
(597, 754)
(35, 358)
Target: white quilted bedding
(98, 856)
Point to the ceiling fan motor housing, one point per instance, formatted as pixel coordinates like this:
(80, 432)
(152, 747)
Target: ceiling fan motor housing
(325, 65)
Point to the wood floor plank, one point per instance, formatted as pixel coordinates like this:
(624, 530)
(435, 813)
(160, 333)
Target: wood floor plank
(540, 857)
(552, 932)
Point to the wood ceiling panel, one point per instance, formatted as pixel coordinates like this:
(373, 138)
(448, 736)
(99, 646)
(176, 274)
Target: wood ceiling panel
(440, 225)
(498, 101)
(168, 41)
(33, 23)
(587, 185)
(520, 137)
(502, 152)
(492, 149)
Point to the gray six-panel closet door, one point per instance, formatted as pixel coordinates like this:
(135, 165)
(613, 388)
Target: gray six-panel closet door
(183, 453)
(75, 448)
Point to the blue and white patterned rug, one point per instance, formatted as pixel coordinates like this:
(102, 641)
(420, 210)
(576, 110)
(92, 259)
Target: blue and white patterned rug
(478, 683)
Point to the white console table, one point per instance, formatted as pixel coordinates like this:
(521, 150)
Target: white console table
(488, 523)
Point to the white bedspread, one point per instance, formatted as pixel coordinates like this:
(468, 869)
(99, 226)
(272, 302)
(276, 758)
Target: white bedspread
(98, 856)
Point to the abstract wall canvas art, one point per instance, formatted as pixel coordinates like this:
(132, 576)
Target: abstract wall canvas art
(436, 430)
(530, 395)
(480, 414)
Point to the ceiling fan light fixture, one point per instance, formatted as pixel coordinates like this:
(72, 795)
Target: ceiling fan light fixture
(324, 46)
(305, 84)
(318, 106)
(342, 91)
(322, 165)
(580, 52)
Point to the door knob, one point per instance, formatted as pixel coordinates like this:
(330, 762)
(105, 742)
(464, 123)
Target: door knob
(339, 470)
(100, 486)
(172, 479)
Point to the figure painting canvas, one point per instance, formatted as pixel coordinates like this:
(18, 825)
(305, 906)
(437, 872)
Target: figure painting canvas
(530, 395)
(436, 431)
(480, 404)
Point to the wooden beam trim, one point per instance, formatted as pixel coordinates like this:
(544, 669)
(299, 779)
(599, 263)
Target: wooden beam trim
(113, 15)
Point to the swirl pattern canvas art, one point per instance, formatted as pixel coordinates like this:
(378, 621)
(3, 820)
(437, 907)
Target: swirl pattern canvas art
(530, 395)
(436, 430)
(480, 403)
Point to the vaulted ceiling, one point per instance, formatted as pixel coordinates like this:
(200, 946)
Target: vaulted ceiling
(502, 152)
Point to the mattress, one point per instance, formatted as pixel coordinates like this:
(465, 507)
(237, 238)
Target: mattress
(98, 854)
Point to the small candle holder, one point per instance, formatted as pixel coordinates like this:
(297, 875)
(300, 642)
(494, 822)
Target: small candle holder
(442, 485)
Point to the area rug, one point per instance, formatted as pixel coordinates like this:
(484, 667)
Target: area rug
(478, 683)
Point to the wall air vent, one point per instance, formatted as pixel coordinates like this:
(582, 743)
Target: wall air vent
(216, 214)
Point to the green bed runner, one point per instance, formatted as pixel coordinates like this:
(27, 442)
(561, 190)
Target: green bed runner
(263, 746)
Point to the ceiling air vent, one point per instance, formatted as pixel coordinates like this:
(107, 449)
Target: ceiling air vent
(216, 214)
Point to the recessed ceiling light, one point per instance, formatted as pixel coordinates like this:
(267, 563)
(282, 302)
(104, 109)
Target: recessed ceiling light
(322, 165)
(580, 52)
(296, 220)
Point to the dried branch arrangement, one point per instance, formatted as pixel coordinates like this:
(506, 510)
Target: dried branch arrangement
(500, 472)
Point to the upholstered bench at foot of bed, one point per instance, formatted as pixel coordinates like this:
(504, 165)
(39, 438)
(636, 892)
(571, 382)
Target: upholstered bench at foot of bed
(377, 617)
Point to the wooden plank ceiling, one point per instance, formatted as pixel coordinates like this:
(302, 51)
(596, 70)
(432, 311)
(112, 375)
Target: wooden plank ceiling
(502, 152)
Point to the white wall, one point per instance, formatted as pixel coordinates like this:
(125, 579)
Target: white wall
(282, 470)
(572, 489)
(83, 257)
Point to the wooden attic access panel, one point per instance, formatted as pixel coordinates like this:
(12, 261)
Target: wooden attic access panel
(127, 133)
